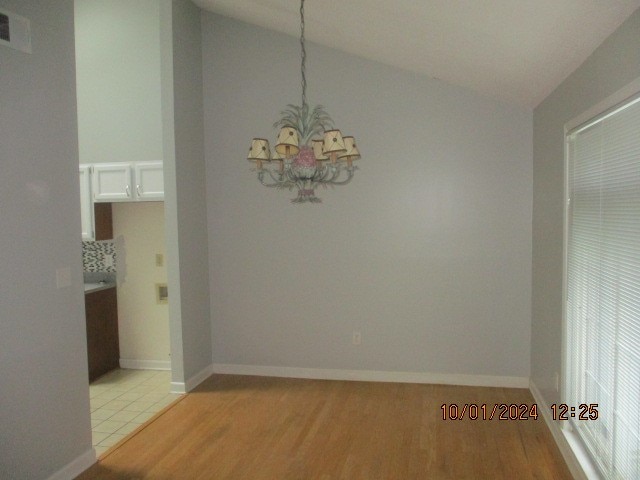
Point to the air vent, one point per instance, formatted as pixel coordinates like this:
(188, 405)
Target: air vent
(4, 28)
(15, 31)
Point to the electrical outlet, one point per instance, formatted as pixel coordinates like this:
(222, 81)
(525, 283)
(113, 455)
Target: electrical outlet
(356, 339)
(162, 293)
(159, 259)
(108, 260)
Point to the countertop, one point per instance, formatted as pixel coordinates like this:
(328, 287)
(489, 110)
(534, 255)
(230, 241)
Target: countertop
(96, 281)
(96, 287)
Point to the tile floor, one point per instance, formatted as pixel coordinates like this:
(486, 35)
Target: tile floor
(122, 400)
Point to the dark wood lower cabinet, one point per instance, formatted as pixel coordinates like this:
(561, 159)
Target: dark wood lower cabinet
(103, 216)
(103, 347)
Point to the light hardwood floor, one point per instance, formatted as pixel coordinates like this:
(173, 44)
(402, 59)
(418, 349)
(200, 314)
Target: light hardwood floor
(255, 428)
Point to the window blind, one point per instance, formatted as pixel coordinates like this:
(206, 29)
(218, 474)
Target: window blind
(603, 288)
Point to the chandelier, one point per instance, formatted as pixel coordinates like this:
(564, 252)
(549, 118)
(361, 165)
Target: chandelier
(309, 151)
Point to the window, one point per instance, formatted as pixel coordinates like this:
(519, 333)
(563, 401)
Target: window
(603, 287)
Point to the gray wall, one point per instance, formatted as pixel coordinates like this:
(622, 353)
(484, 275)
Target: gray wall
(427, 252)
(44, 400)
(186, 212)
(118, 80)
(612, 66)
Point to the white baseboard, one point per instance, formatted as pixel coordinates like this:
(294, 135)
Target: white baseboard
(135, 364)
(577, 460)
(177, 387)
(193, 381)
(372, 375)
(75, 467)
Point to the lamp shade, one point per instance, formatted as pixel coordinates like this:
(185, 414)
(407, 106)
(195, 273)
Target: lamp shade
(287, 141)
(351, 150)
(333, 142)
(317, 150)
(259, 150)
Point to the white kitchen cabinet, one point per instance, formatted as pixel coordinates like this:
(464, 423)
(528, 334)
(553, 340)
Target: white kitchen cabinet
(128, 182)
(112, 182)
(149, 177)
(86, 203)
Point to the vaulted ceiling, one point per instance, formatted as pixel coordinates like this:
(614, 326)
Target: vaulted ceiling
(517, 51)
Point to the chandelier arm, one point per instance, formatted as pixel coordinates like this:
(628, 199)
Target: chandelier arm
(327, 171)
(336, 170)
(277, 182)
(317, 174)
(290, 177)
(264, 183)
(350, 172)
(279, 179)
(321, 177)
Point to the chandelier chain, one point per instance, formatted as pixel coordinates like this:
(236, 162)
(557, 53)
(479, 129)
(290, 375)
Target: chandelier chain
(304, 55)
